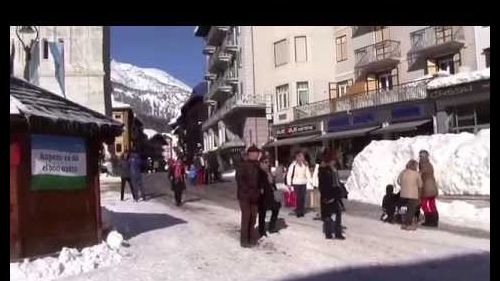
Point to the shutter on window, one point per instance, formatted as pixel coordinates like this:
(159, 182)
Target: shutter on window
(371, 82)
(431, 67)
(332, 90)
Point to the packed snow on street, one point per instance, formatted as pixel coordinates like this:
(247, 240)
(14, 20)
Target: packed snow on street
(200, 240)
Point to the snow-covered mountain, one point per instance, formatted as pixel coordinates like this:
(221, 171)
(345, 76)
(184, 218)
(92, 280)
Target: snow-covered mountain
(155, 95)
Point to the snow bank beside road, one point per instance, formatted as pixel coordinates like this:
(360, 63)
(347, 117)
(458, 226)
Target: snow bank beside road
(461, 166)
(70, 262)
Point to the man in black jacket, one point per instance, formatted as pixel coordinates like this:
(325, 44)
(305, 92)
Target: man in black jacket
(331, 194)
(247, 180)
(267, 201)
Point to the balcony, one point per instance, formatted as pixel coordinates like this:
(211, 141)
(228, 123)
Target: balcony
(323, 107)
(208, 50)
(234, 104)
(437, 40)
(210, 76)
(231, 75)
(216, 35)
(230, 43)
(380, 55)
(219, 61)
(219, 89)
(401, 93)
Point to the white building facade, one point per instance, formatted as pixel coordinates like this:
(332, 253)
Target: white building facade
(86, 55)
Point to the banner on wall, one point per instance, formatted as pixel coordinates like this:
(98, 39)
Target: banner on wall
(58, 163)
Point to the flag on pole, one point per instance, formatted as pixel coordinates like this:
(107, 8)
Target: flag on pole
(57, 51)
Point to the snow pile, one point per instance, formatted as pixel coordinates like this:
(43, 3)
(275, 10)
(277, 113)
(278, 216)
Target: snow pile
(70, 261)
(229, 174)
(463, 213)
(117, 104)
(461, 165)
(459, 78)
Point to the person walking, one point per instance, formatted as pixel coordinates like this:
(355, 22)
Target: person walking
(411, 185)
(429, 192)
(331, 194)
(136, 174)
(315, 193)
(124, 168)
(297, 177)
(178, 179)
(248, 194)
(267, 200)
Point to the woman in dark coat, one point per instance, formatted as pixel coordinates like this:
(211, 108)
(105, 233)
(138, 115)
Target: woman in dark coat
(267, 200)
(331, 195)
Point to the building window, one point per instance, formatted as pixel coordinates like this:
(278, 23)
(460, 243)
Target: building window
(448, 63)
(281, 52)
(302, 93)
(470, 118)
(381, 33)
(119, 147)
(332, 90)
(282, 97)
(343, 87)
(300, 49)
(487, 56)
(118, 116)
(443, 34)
(45, 49)
(341, 44)
(385, 81)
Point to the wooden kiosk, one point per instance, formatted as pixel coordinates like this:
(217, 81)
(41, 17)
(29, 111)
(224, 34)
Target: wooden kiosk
(54, 175)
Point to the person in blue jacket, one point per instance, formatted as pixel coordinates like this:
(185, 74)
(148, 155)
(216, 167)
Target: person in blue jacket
(136, 173)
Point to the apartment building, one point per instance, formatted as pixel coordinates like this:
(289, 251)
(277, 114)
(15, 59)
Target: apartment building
(372, 82)
(72, 61)
(236, 111)
(124, 114)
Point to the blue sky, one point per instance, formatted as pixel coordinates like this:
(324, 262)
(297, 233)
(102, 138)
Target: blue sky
(173, 49)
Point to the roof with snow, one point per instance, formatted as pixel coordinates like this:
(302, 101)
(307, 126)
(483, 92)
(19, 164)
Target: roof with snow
(119, 105)
(28, 101)
(459, 78)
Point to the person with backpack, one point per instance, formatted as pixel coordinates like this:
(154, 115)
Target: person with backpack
(178, 179)
(298, 176)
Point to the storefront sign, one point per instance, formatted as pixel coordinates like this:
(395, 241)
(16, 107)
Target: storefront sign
(335, 124)
(406, 112)
(58, 163)
(460, 89)
(363, 118)
(296, 130)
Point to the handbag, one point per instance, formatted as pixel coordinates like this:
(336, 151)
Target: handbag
(290, 199)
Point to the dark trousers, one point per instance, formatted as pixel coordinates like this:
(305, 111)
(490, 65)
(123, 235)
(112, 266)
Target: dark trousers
(328, 224)
(411, 208)
(248, 218)
(132, 189)
(178, 190)
(300, 190)
(275, 208)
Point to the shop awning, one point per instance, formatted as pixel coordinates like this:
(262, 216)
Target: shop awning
(401, 127)
(291, 141)
(348, 133)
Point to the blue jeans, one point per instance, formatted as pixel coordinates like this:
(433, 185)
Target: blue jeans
(138, 185)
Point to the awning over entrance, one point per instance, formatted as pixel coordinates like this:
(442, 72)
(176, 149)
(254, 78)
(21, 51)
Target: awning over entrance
(291, 141)
(347, 133)
(401, 127)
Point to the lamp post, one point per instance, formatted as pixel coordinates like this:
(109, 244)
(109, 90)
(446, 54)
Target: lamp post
(27, 30)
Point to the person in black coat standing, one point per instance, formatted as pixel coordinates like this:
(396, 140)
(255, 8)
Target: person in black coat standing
(331, 195)
(267, 200)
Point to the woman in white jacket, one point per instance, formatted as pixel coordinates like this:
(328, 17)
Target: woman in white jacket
(298, 176)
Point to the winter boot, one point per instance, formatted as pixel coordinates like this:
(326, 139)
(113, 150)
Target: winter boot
(433, 220)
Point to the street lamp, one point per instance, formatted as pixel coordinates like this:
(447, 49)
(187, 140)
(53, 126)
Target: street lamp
(27, 30)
